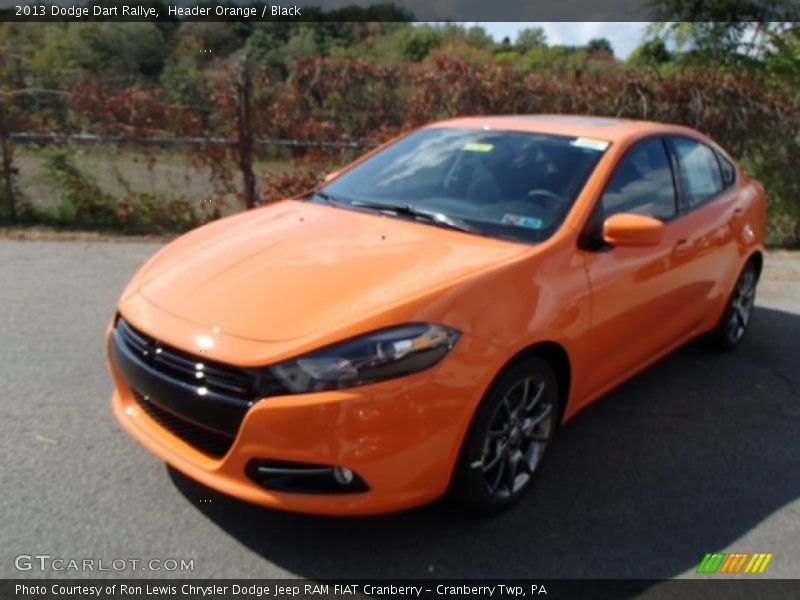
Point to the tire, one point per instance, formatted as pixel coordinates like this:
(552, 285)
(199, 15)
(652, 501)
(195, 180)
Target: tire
(507, 439)
(731, 328)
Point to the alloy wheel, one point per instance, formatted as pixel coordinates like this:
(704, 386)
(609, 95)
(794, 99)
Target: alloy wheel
(516, 439)
(741, 306)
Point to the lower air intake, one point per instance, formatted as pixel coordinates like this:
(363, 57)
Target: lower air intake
(208, 442)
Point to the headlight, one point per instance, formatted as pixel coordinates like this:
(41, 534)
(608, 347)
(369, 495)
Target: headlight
(373, 357)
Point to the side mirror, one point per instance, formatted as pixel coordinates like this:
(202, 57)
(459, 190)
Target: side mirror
(628, 229)
(331, 175)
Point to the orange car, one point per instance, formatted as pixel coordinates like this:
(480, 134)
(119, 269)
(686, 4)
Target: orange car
(423, 321)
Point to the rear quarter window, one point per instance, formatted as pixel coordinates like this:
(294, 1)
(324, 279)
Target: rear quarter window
(728, 171)
(699, 171)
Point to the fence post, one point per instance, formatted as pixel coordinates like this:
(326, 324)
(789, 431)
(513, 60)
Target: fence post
(244, 93)
(9, 202)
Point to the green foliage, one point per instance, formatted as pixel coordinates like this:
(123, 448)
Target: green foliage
(730, 34)
(599, 46)
(650, 53)
(476, 36)
(776, 167)
(186, 84)
(564, 61)
(104, 49)
(508, 57)
(418, 42)
(84, 205)
(530, 38)
(151, 213)
(217, 39)
(706, 65)
(783, 64)
(301, 45)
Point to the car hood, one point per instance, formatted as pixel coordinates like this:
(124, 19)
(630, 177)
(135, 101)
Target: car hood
(295, 268)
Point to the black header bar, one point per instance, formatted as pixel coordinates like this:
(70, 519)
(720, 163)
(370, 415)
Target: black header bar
(378, 10)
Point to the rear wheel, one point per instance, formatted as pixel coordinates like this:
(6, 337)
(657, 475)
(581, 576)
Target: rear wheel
(508, 437)
(739, 310)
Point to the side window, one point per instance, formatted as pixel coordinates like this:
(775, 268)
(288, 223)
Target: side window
(642, 183)
(699, 170)
(728, 171)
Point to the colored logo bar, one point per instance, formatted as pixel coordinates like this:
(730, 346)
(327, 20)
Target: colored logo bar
(734, 563)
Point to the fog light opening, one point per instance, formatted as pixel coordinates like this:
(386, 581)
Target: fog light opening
(304, 478)
(343, 475)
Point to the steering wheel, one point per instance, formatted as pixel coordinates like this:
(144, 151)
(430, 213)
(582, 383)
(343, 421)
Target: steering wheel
(540, 194)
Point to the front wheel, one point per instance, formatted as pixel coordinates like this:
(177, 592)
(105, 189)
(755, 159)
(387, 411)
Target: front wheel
(508, 437)
(739, 310)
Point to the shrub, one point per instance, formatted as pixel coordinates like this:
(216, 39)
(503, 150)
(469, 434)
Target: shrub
(84, 205)
(152, 213)
(335, 99)
(755, 121)
(286, 184)
(777, 169)
(345, 98)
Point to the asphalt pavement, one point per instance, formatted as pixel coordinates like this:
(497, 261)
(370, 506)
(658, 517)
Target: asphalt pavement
(700, 453)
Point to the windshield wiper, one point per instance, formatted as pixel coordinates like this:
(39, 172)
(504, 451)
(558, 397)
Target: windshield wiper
(430, 216)
(328, 197)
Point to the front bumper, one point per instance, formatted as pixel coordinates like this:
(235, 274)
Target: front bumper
(402, 436)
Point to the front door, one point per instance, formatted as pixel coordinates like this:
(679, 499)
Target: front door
(643, 298)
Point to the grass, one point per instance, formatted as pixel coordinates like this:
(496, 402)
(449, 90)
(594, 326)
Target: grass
(123, 172)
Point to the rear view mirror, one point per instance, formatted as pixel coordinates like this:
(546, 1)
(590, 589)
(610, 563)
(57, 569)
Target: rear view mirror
(628, 229)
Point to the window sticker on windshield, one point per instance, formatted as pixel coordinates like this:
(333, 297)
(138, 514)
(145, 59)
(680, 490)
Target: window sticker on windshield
(590, 144)
(478, 147)
(520, 221)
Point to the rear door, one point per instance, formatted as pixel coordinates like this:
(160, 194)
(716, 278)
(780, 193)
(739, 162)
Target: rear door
(712, 215)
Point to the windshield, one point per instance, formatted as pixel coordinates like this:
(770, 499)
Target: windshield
(509, 184)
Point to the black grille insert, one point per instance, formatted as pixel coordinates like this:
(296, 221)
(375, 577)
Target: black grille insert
(209, 442)
(186, 367)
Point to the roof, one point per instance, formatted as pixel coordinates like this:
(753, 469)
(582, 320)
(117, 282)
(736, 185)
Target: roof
(602, 128)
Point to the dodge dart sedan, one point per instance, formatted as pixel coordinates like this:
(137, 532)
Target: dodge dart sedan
(421, 323)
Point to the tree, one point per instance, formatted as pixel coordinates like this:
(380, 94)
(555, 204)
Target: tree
(110, 49)
(599, 46)
(243, 68)
(7, 190)
(476, 36)
(784, 63)
(301, 45)
(650, 53)
(530, 38)
(185, 78)
(731, 33)
(9, 200)
(217, 38)
(418, 41)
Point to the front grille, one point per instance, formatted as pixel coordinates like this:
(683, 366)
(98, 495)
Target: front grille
(185, 367)
(206, 441)
(226, 379)
(200, 401)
